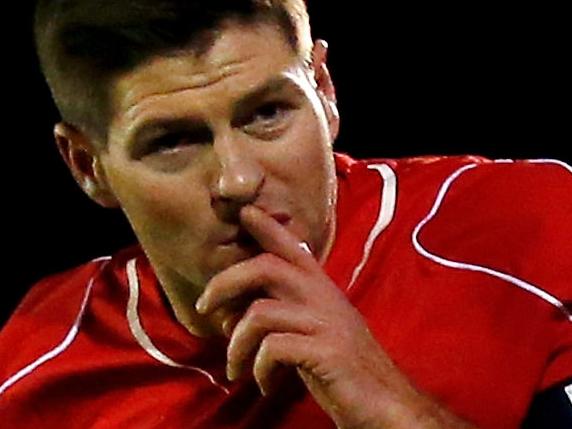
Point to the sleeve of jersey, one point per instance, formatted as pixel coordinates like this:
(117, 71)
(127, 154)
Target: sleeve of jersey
(43, 319)
(515, 218)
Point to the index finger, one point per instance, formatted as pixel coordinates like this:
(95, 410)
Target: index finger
(275, 238)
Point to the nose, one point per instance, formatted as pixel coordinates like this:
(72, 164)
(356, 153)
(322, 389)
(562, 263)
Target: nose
(239, 181)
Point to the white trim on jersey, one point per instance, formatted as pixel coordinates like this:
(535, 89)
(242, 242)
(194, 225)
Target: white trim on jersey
(568, 391)
(528, 287)
(141, 336)
(385, 215)
(69, 338)
(551, 161)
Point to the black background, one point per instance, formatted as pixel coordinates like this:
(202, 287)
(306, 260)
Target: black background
(411, 79)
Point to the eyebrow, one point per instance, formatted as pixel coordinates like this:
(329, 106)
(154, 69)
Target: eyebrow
(272, 85)
(156, 126)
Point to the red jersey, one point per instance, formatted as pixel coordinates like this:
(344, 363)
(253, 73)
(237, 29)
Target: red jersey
(460, 265)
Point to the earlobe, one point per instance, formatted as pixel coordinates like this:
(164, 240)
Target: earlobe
(100, 190)
(334, 120)
(83, 162)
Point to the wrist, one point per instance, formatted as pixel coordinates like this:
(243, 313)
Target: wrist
(415, 412)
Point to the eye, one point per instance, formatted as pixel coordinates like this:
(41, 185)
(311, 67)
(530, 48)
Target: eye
(166, 142)
(268, 112)
(268, 119)
(173, 141)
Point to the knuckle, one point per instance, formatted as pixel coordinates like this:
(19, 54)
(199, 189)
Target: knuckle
(271, 263)
(257, 313)
(270, 269)
(265, 346)
(270, 344)
(265, 260)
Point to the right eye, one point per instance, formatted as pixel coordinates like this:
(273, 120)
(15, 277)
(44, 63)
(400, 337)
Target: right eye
(167, 143)
(173, 142)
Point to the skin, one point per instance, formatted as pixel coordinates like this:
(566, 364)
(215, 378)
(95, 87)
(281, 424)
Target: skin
(261, 164)
(240, 149)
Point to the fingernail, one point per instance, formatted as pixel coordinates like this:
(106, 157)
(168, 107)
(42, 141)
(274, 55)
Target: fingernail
(230, 373)
(200, 305)
(227, 327)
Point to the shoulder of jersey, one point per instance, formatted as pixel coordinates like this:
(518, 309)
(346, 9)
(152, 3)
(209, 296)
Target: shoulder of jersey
(69, 285)
(537, 180)
(519, 211)
(524, 190)
(47, 315)
(417, 164)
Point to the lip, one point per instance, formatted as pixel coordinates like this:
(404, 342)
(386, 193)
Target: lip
(239, 236)
(281, 218)
(242, 236)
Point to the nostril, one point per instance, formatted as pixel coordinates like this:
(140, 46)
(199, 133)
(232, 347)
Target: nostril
(227, 210)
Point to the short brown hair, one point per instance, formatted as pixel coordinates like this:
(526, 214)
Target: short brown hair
(82, 45)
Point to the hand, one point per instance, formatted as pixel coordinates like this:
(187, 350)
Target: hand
(301, 319)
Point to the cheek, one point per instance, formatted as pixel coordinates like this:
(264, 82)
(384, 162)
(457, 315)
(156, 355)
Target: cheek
(164, 210)
(305, 151)
(167, 203)
(313, 165)
(308, 171)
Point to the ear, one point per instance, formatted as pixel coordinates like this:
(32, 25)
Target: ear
(81, 157)
(325, 86)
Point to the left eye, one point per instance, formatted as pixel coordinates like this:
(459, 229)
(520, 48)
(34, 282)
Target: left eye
(268, 120)
(268, 112)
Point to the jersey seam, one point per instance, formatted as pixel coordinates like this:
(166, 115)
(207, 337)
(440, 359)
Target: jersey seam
(388, 200)
(141, 336)
(522, 284)
(68, 339)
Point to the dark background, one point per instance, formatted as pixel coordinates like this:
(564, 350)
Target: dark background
(411, 79)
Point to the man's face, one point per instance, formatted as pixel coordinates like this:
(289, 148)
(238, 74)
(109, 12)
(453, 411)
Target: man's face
(193, 139)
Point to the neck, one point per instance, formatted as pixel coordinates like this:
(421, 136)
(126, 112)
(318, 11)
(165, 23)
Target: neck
(182, 296)
(331, 227)
(331, 238)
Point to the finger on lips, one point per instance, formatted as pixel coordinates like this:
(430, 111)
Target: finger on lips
(271, 288)
(275, 238)
(272, 237)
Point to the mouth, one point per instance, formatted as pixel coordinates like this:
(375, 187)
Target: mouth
(242, 237)
(281, 218)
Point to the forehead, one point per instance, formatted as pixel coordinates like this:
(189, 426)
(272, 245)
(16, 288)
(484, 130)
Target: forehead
(241, 57)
